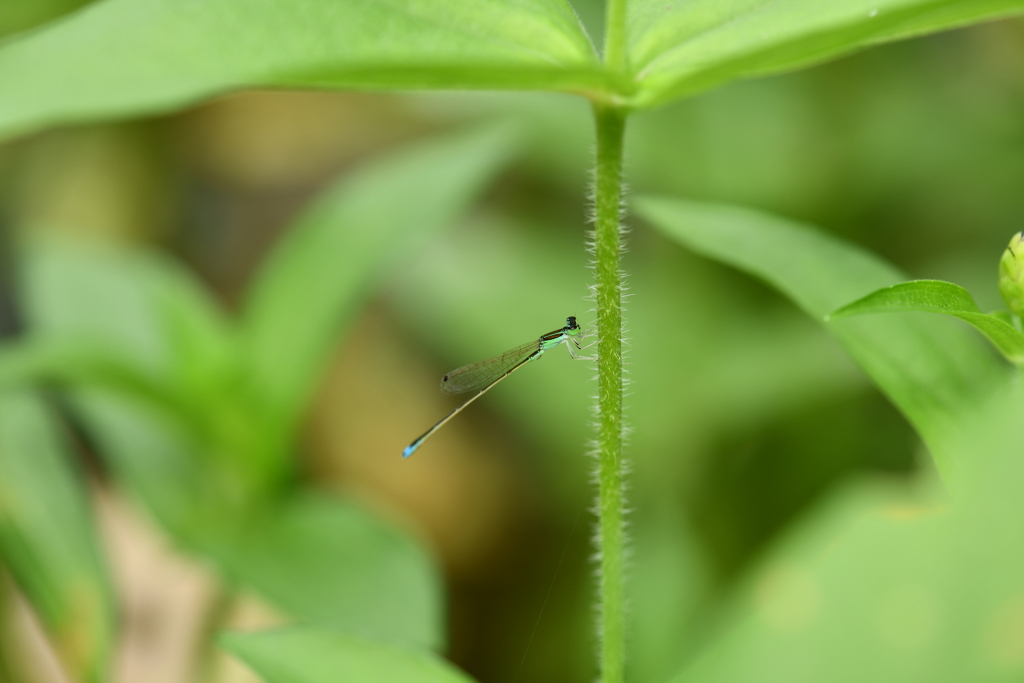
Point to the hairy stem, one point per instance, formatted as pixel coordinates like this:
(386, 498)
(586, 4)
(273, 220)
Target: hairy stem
(607, 248)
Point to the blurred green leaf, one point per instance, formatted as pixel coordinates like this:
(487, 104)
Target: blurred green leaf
(873, 588)
(47, 538)
(33, 362)
(670, 583)
(128, 57)
(314, 282)
(677, 48)
(134, 322)
(202, 497)
(187, 486)
(934, 375)
(19, 15)
(307, 655)
(936, 296)
(191, 479)
(325, 560)
(314, 558)
(198, 477)
(132, 304)
(892, 584)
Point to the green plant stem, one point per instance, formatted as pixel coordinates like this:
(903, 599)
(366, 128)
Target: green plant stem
(615, 36)
(608, 293)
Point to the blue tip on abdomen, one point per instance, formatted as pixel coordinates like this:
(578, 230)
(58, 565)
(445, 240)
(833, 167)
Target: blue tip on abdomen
(410, 449)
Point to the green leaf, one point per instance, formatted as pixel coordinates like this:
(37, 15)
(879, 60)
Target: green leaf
(139, 326)
(678, 48)
(889, 584)
(130, 304)
(184, 483)
(314, 558)
(307, 655)
(929, 595)
(19, 15)
(134, 322)
(1007, 317)
(69, 362)
(122, 58)
(129, 57)
(315, 280)
(935, 376)
(135, 334)
(47, 539)
(936, 296)
(325, 560)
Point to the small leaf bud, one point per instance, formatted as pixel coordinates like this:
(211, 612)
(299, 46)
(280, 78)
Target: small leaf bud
(1011, 275)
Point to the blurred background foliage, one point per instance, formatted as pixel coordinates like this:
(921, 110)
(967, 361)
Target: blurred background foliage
(743, 412)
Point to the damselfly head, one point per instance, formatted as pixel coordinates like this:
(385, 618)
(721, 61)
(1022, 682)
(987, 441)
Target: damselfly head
(570, 323)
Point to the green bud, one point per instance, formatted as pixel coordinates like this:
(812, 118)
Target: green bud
(1011, 275)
